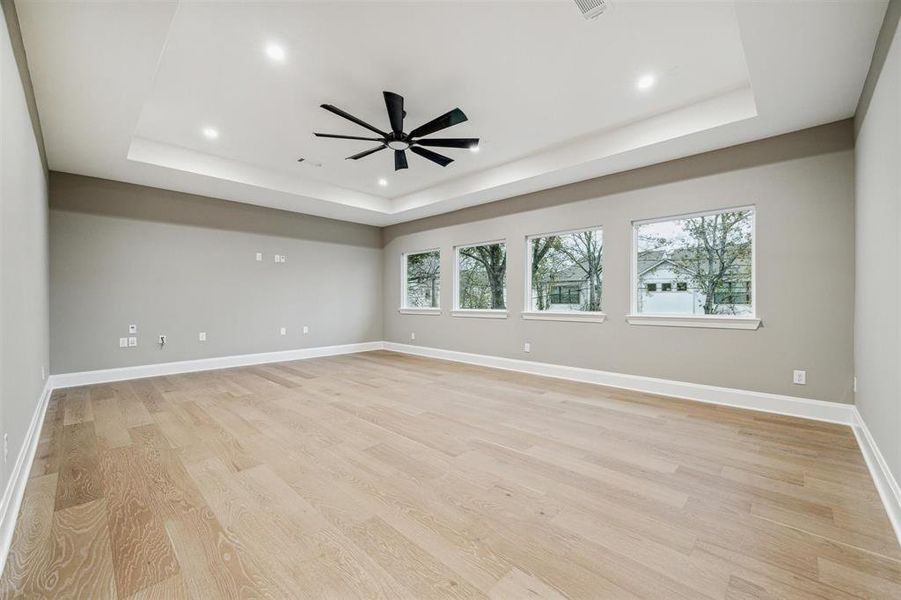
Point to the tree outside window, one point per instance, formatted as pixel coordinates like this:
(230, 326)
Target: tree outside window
(423, 279)
(482, 277)
(708, 257)
(566, 271)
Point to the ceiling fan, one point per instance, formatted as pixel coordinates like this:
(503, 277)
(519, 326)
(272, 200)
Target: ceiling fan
(399, 141)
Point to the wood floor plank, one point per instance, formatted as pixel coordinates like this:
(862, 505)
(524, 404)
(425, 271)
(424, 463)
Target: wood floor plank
(142, 555)
(380, 475)
(30, 556)
(80, 479)
(82, 563)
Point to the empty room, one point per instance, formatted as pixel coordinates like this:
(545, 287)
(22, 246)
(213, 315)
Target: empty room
(420, 299)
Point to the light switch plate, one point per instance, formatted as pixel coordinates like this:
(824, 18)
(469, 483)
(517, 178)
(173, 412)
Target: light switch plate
(123, 342)
(201, 336)
(283, 331)
(259, 257)
(527, 347)
(306, 330)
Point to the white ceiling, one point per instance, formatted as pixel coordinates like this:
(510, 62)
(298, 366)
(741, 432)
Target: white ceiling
(124, 90)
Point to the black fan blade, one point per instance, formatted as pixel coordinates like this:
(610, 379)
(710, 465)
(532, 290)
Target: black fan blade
(366, 153)
(449, 119)
(450, 142)
(350, 117)
(432, 156)
(400, 160)
(395, 105)
(346, 137)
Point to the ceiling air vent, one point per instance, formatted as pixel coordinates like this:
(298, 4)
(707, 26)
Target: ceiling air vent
(592, 9)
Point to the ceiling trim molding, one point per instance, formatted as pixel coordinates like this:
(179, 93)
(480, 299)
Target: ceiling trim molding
(823, 139)
(18, 46)
(890, 25)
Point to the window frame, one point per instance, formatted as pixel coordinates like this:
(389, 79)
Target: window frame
(580, 316)
(750, 322)
(480, 313)
(413, 310)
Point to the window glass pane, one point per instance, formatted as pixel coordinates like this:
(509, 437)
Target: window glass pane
(482, 276)
(566, 271)
(423, 283)
(709, 259)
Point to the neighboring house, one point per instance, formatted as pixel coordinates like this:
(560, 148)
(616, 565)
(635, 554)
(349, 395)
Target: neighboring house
(568, 290)
(666, 287)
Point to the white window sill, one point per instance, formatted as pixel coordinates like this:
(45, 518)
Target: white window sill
(579, 317)
(479, 314)
(709, 321)
(419, 311)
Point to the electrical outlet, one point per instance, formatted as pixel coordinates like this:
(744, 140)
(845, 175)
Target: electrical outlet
(277, 258)
(259, 257)
(5, 447)
(123, 342)
(132, 329)
(283, 259)
(201, 336)
(412, 336)
(132, 342)
(306, 330)
(527, 347)
(800, 378)
(162, 340)
(283, 331)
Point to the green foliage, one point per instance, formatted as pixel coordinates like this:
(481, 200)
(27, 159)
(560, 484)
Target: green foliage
(483, 277)
(572, 258)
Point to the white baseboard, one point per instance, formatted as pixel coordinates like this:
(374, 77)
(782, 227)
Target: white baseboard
(819, 410)
(65, 380)
(886, 484)
(18, 476)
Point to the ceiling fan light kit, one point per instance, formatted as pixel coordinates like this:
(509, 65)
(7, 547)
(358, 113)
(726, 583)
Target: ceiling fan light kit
(400, 142)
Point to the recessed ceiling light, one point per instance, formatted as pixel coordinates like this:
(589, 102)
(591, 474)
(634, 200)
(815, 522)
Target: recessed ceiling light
(275, 52)
(210, 133)
(646, 82)
(383, 182)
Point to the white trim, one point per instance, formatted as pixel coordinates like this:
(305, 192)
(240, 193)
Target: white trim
(476, 313)
(633, 278)
(832, 412)
(886, 484)
(710, 321)
(419, 311)
(570, 315)
(18, 476)
(403, 278)
(65, 380)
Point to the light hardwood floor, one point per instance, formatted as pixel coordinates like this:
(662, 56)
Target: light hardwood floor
(381, 475)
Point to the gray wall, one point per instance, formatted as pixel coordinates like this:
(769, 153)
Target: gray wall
(802, 186)
(23, 254)
(877, 326)
(178, 264)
